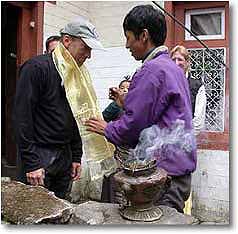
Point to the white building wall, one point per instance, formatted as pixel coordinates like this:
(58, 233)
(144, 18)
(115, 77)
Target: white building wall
(108, 17)
(107, 70)
(210, 185)
(59, 14)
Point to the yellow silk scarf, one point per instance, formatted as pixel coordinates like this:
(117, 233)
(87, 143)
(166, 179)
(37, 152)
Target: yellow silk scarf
(82, 99)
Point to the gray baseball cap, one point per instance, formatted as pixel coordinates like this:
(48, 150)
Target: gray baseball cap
(83, 29)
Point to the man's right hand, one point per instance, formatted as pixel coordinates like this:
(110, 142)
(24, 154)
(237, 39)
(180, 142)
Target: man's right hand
(36, 177)
(117, 95)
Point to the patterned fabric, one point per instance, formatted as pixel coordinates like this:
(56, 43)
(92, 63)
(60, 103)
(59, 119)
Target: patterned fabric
(82, 99)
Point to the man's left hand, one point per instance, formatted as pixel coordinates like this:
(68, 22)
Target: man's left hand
(96, 125)
(76, 171)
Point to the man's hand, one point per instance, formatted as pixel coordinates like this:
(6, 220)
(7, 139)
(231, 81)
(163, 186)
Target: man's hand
(96, 125)
(76, 170)
(117, 95)
(36, 177)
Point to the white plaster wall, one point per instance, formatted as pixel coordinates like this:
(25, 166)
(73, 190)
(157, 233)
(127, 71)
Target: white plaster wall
(107, 70)
(56, 16)
(108, 16)
(210, 185)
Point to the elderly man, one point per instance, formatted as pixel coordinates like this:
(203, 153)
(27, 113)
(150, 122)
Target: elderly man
(47, 136)
(158, 95)
(51, 43)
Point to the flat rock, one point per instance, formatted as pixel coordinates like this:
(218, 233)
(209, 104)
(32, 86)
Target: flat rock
(96, 213)
(25, 204)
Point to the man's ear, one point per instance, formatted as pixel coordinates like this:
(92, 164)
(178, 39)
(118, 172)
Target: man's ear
(66, 41)
(145, 35)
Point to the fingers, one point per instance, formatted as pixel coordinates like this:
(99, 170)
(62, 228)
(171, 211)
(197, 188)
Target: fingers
(76, 171)
(41, 179)
(96, 125)
(92, 120)
(91, 125)
(113, 93)
(95, 130)
(36, 177)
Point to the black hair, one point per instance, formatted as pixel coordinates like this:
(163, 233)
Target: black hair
(146, 17)
(126, 79)
(49, 40)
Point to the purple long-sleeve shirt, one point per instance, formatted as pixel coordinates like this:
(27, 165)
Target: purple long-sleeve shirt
(158, 94)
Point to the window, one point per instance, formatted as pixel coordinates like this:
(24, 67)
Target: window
(206, 24)
(204, 66)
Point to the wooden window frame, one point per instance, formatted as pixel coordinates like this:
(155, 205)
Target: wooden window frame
(205, 11)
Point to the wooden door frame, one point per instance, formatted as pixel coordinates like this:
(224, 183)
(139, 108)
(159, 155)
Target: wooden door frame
(29, 43)
(175, 33)
(30, 30)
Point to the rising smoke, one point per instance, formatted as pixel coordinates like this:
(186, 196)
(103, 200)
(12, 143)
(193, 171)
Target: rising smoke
(155, 143)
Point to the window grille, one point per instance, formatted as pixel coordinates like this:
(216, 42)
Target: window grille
(205, 67)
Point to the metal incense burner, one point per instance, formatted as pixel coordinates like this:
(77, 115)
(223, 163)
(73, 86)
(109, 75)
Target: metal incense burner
(140, 184)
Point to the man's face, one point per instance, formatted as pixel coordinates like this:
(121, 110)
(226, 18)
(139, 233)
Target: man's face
(137, 46)
(77, 48)
(179, 59)
(52, 46)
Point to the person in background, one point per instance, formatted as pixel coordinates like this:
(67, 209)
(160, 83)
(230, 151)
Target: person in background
(51, 43)
(114, 109)
(110, 192)
(48, 140)
(158, 95)
(180, 56)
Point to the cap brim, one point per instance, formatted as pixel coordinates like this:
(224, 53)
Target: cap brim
(93, 44)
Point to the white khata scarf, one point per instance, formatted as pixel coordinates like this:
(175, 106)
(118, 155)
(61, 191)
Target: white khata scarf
(155, 51)
(98, 152)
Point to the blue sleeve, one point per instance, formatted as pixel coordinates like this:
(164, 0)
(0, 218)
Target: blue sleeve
(111, 112)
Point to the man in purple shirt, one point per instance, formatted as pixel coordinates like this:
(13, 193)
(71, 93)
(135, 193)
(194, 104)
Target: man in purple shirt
(158, 95)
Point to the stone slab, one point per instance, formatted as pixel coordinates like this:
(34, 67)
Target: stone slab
(96, 213)
(25, 204)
